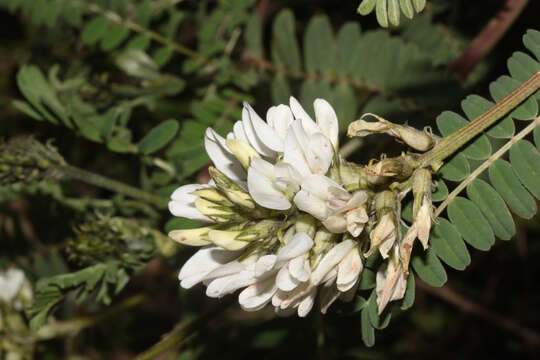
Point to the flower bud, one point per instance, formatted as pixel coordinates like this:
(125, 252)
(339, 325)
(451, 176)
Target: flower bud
(192, 237)
(233, 192)
(216, 212)
(242, 151)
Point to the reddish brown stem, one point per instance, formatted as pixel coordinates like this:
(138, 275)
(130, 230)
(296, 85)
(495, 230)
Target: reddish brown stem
(486, 40)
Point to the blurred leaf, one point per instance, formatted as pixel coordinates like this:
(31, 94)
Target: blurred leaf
(158, 137)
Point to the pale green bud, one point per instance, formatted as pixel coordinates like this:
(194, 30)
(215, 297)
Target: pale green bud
(233, 192)
(242, 151)
(192, 237)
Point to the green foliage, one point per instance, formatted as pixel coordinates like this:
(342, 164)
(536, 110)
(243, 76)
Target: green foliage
(388, 11)
(112, 249)
(485, 214)
(335, 67)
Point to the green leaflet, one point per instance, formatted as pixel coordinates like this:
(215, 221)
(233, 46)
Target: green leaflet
(455, 169)
(525, 160)
(158, 137)
(505, 181)
(440, 192)
(428, 267)
(347, 40)
(389, 10)
(493, 207)
(285, 50)
(368, 332)
(408, 298)
(113, 37)
(94, 30)
(379, 322)
(471, 224)
(319, 46)
(537, 137)
(446, 242)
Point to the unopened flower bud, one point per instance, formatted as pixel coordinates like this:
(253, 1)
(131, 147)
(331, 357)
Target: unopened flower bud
(242, 151)
(216, 212)
(233, 192)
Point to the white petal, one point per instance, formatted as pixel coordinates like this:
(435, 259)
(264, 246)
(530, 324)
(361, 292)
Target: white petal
(330, 260)
(230, 268)
(327, 120)
(239, 133)
(280, 118)
(349, 270)
(350, 294)
(320, 154)
(305, 201)
(256, 296)
(229, 284)
(264, 167)
(299, 268)
(264, 265)
(222, 158)
(182, 203)
(294, 155)
(285, 281)
(299, 244)
(248, 117)
(336, 224)
(202, 262)
(329, 294)
(180, 209)
(267, 134)
(299, 113)
(262, 191)
(306, 304)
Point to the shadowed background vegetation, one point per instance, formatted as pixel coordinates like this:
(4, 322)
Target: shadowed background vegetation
(126, 89)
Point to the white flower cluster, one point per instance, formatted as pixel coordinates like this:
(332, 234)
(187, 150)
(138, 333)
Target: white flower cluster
(289, 218)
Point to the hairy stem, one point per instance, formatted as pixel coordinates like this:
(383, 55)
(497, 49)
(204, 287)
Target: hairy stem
(486, 164)
(88, 177)
(450, 144)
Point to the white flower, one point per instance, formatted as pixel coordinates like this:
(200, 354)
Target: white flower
(183, 203)
(338, 210)
(11, 282)
(383, 236)
(272, 186)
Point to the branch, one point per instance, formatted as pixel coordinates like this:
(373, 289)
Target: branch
(467, 306)
(486, 40)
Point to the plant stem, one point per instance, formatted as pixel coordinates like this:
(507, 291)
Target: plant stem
(88, 177)
(62, 328)
(450, 144)
(486, 164)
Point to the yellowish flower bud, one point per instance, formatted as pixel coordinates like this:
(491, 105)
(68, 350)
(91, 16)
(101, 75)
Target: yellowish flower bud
(242, 151)
(192, 237)
(233, 192)
(227, 239)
